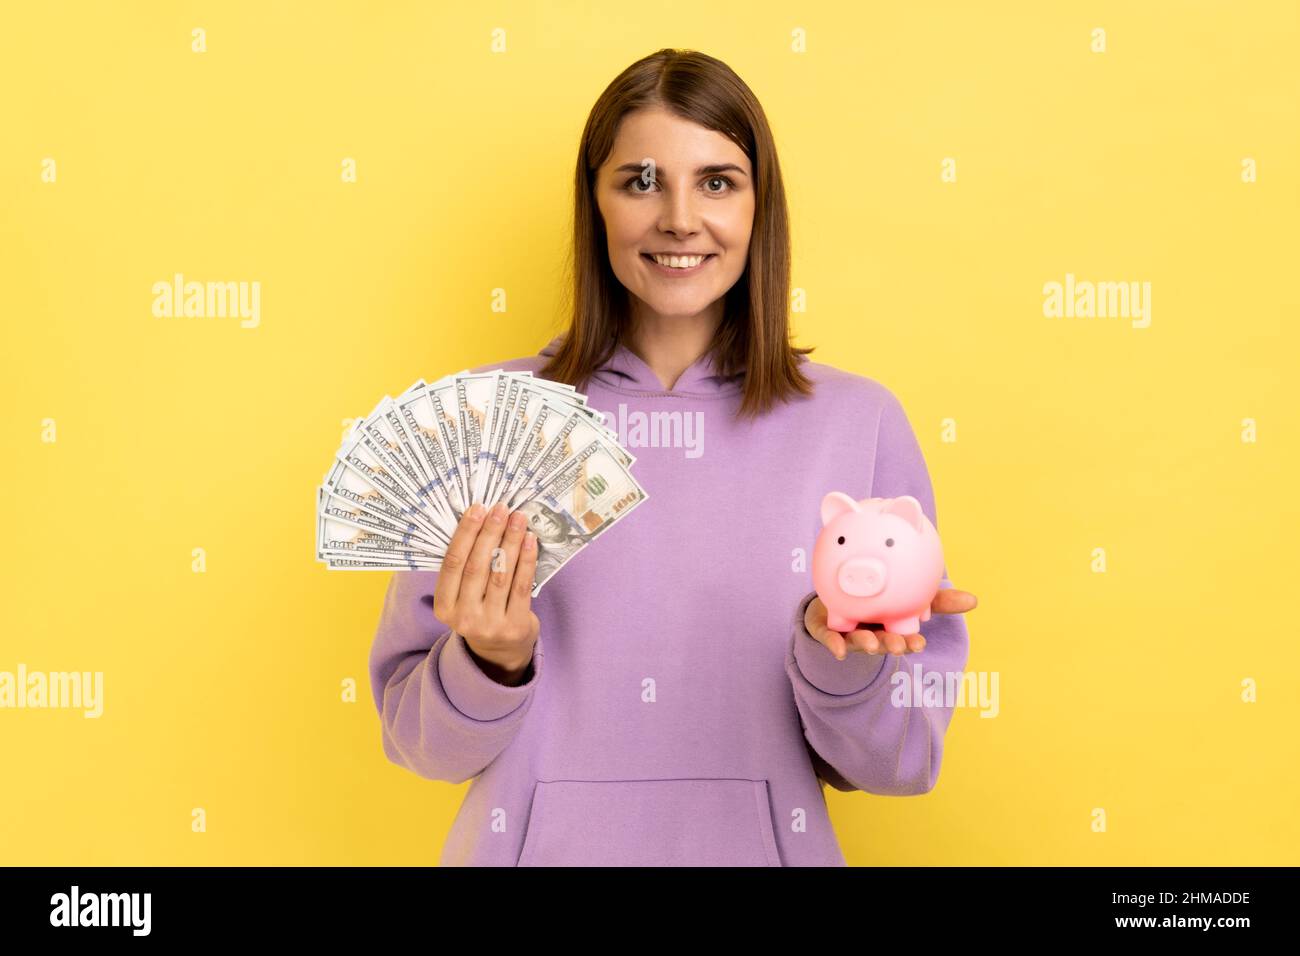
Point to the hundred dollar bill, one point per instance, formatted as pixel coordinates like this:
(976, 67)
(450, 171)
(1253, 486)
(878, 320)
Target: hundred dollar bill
(406, 472)
(505, 389)
(336, 538)
(557, 436)
(529, 401)
(341, 511)
(360, 453)
(373, 549)
(374, 435)
(446, 417)
(579, 502)
(418, 411)
(503, 419)
(408, 440)
(474, 397)
(340, 562)
(383, 427)
(348, 486)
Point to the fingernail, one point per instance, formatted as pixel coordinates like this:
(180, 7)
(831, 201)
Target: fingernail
(476, 513)
(516, 521)
(530, 541)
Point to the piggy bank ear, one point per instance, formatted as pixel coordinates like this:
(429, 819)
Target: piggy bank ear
(835, 504)
(907, 508)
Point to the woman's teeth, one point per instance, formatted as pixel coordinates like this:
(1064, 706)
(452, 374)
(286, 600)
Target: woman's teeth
(679, 262)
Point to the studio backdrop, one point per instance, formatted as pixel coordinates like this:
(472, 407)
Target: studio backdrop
(1063, 235)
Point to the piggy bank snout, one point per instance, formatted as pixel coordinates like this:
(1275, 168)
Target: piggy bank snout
(862, 577)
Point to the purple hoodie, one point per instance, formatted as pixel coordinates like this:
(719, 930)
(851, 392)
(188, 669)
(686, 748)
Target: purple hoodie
(677, 712)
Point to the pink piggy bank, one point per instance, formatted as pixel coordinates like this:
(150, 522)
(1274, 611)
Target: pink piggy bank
(876, 560)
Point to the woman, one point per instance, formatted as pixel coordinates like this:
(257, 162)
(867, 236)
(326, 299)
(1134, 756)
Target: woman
(674, 696)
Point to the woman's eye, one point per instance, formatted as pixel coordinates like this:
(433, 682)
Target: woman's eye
(630, 185)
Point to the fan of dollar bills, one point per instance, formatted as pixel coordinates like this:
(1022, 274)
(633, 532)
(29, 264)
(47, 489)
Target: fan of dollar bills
(406, 473)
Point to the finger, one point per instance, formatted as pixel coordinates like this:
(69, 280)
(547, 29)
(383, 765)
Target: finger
(894, 642)
(952, 601)
(447, 590)
(835, 641)
(915, 642)
(863, 639)
(502, 570)
(814, 622)
(521, 588)
(474, 579)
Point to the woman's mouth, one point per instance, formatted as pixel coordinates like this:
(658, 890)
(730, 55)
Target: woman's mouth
(677, 266)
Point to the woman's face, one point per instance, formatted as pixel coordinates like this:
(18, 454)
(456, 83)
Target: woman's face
(671, 186)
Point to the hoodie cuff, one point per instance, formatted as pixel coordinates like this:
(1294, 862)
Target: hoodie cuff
(823, 670)
(471, 691)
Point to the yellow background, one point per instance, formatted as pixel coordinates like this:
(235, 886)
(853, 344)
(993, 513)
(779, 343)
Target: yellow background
(1118, 690)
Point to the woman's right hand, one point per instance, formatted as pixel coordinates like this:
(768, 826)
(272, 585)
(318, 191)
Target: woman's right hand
(484, 590)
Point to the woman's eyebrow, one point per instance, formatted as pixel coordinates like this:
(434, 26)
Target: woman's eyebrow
(701, 171)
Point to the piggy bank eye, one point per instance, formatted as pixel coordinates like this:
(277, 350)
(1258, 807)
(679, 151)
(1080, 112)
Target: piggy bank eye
(889, 542)
(840, 540)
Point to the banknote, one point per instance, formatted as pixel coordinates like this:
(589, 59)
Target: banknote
(406, 472)
(580, 501)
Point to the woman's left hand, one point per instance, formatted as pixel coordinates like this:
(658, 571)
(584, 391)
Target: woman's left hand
(871, 641)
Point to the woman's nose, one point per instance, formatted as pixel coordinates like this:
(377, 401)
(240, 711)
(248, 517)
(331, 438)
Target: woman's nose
(680, 216)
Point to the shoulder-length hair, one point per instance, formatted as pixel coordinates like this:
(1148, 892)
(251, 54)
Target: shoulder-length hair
(754, 335)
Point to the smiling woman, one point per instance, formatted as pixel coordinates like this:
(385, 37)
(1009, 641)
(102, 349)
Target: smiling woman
(675, 697)
(657, 231)
(681, 237)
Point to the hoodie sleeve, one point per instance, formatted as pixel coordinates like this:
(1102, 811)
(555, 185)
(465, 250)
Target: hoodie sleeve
(441, 716)
(853, 726)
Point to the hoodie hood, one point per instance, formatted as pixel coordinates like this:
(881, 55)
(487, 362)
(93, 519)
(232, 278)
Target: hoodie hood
(626, 370)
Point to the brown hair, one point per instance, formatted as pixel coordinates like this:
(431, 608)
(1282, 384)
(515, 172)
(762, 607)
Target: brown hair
(754, 335)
